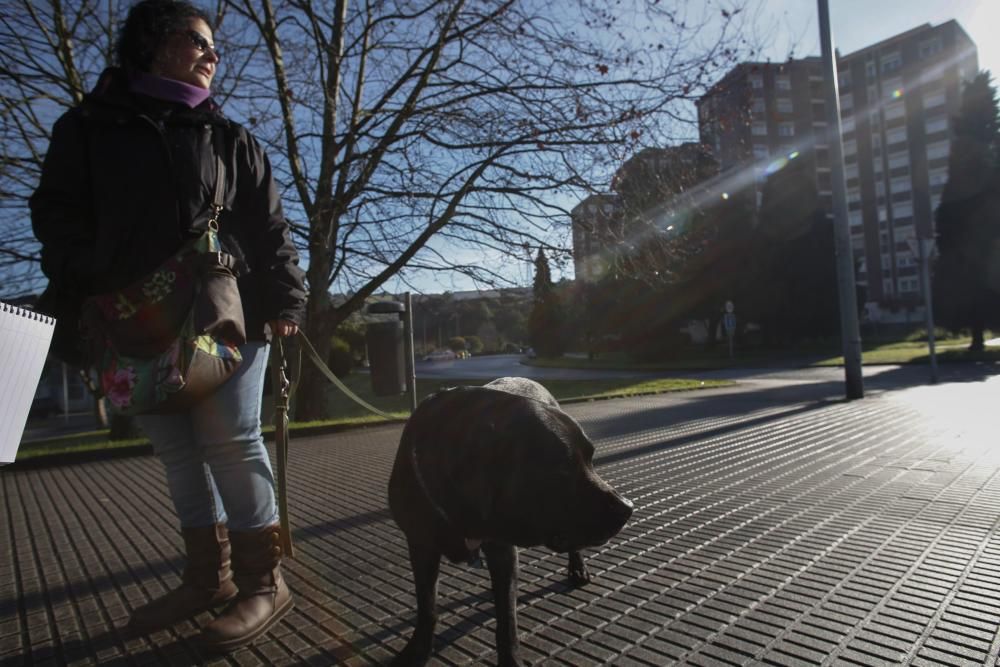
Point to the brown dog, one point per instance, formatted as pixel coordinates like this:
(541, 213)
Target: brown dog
(501, 466)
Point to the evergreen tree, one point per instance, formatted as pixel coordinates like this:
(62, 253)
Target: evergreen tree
(795, 280)
(547, 322)
(967, 271)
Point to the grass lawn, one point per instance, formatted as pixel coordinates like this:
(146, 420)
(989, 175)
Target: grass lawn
(347, 413)
(954, 349)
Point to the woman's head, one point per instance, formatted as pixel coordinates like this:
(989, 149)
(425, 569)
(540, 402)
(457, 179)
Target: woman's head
(171, 39)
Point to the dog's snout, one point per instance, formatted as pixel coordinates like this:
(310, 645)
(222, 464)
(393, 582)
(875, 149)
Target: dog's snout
(623, 508)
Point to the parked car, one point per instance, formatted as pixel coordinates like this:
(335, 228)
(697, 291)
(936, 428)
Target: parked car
(441, 355)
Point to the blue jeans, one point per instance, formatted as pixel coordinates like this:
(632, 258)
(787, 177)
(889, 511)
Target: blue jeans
(218, 470)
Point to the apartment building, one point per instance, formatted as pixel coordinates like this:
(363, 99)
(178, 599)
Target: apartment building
(760, 115)
(596, 222)
(638, 206)
(897, 100)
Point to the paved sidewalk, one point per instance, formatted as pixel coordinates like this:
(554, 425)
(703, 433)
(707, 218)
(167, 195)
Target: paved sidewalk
(774, 524)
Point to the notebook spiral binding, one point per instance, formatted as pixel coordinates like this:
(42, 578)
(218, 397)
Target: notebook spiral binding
(26, 313)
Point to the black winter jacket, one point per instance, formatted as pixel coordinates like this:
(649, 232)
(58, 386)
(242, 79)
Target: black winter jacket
(128, 179)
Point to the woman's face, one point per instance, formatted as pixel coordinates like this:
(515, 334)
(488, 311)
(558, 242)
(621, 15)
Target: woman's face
(188, 55)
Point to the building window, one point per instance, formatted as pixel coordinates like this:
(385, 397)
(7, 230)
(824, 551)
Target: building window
(850, 146)
(904, 232)
(855, 219)
(931, 76)
(909, 285)
(891, 63)
(758, 129)
(900, 159)
(757, 105)
(782, 82)
(786, 129)
(853, 194)
(896, 135)
(892, 89)
(880, 190)
(934, 98)
(844, 78)
(756, 81)
(931, 47)
(761, 151)
(783, 105)
(851, 171)
(937, 177)
(904, 259)
(870, 70)
(847, 102)
(894, 110)
(933, 125)
(938, 149)
(847, 124)
(901, 211)
(899, 185)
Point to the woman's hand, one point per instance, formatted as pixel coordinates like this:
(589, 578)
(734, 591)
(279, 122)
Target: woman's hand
(283, 328)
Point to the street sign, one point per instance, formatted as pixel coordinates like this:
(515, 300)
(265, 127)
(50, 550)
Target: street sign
(729, 323)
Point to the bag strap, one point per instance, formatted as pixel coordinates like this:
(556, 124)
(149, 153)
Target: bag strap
(218, 197)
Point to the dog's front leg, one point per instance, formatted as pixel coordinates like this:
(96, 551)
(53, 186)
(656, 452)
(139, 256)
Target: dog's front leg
(502, 561)
(579, 575)
(426, 562)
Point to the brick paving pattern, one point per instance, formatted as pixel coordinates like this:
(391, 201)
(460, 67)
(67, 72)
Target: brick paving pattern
(773, 525)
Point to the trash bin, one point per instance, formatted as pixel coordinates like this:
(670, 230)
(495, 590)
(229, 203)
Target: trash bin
(386, 356)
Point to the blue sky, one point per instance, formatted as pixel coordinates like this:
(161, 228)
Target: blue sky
(860, 23)
(791, 26)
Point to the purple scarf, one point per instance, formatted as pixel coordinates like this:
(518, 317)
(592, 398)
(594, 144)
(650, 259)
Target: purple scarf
(170, 90)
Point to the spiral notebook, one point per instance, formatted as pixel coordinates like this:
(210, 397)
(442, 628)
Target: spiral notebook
(24, 344)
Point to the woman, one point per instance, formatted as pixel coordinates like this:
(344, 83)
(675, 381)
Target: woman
(128, 177)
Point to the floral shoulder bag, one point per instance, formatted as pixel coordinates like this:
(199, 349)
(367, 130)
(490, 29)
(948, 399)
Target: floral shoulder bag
(170, 339)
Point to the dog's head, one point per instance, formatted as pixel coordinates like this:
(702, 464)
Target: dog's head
(538, 485)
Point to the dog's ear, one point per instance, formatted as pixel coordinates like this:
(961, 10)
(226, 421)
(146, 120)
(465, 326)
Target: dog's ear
(474, 481)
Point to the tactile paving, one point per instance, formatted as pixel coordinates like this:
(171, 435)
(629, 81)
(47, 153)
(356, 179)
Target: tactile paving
(773, 525)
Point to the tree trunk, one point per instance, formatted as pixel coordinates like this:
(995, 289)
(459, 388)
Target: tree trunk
(978, 340)
(310, 397)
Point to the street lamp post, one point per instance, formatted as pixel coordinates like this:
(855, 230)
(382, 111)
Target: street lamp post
(925, 248)
(849, 328)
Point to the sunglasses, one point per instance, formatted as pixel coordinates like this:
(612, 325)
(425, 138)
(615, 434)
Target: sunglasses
(201, 43)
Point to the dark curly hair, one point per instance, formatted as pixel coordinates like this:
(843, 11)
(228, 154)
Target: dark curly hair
(147, 25)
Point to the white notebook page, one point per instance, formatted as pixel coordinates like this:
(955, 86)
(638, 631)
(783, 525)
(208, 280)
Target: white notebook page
(24, 345)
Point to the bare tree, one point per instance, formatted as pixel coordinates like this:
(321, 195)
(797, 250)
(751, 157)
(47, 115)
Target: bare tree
(412, 132)
(50, 50)
(406, 135)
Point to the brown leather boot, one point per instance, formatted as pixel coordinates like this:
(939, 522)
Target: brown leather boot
(263, 599)
(207, 582)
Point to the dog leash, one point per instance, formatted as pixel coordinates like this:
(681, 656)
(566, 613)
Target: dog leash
(282, 397)
(280, 386)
